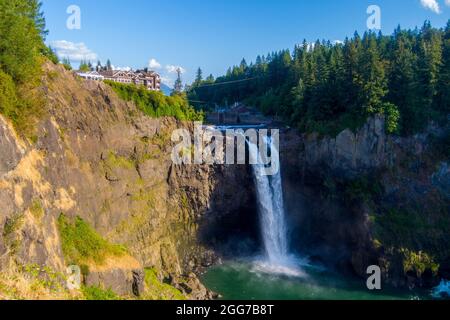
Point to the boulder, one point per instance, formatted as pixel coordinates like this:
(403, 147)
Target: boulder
(122, 281)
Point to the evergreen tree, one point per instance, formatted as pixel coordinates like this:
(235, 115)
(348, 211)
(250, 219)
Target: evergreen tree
(243, 66)
(198, 77)
(402, 79)
(443, 96)
(21, 42)
(374, 81)
(429, 65)
(210, 79)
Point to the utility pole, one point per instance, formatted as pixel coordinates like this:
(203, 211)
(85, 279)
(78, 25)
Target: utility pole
(178, 87)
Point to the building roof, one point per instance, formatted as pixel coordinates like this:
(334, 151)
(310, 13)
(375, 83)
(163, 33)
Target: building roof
(128, 74)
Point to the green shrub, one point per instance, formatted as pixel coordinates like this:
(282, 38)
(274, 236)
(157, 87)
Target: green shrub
(81, 244)
(155, 104)
(36, 209)
(99, 294)
(115, 161)
(418, 262)
(392, 117)
(12, 225)
(155, 290)
(8, 97)
(21, 104)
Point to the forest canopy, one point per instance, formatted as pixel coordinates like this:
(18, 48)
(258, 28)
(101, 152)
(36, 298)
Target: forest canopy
(326, 87)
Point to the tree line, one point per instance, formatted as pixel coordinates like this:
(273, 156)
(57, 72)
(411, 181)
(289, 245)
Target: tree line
(326, 87)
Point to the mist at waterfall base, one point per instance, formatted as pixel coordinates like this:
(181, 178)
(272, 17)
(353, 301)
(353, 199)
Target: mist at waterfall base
(277, 274)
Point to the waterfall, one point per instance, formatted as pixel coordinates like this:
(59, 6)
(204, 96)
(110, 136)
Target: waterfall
(271, 207)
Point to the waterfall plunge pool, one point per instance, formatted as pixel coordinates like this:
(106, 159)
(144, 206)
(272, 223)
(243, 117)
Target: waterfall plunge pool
(253, 280)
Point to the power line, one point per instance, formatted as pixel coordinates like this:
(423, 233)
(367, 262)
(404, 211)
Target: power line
(196, 101)
(225, 83)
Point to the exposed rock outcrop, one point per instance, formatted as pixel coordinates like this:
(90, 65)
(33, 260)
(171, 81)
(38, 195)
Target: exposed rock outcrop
(12, 151)
(351, 153)
(368, 198)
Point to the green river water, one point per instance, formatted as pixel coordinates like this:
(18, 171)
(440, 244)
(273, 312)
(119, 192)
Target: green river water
(248, 281)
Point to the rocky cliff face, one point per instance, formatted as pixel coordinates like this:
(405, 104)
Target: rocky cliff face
(368, 198)
(98, 158)
(350, 154)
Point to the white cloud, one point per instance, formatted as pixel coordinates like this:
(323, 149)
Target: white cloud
(337, 42)
(168, 81)
(73, 51)
(447, 2)
(169, 73)
(173, 69)
(121, 68)
(432, 5)
(154, 64)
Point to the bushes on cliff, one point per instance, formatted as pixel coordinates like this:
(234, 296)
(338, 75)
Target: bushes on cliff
(99, 294)
(81, 244)
(21, 39)
(155, 104)
(155, 290)
(8, 96)
(22, 51)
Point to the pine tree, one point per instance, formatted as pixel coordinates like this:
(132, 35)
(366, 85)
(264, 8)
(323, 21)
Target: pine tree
(443, 96)
(243, 66)
(37, 15)
(402, 80)
(198, 77)
(210, 79)
(353, 79)
(21, 39)
(428, 68)
(374, 81)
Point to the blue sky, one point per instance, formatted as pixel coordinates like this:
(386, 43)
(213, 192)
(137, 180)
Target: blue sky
(215, 34)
